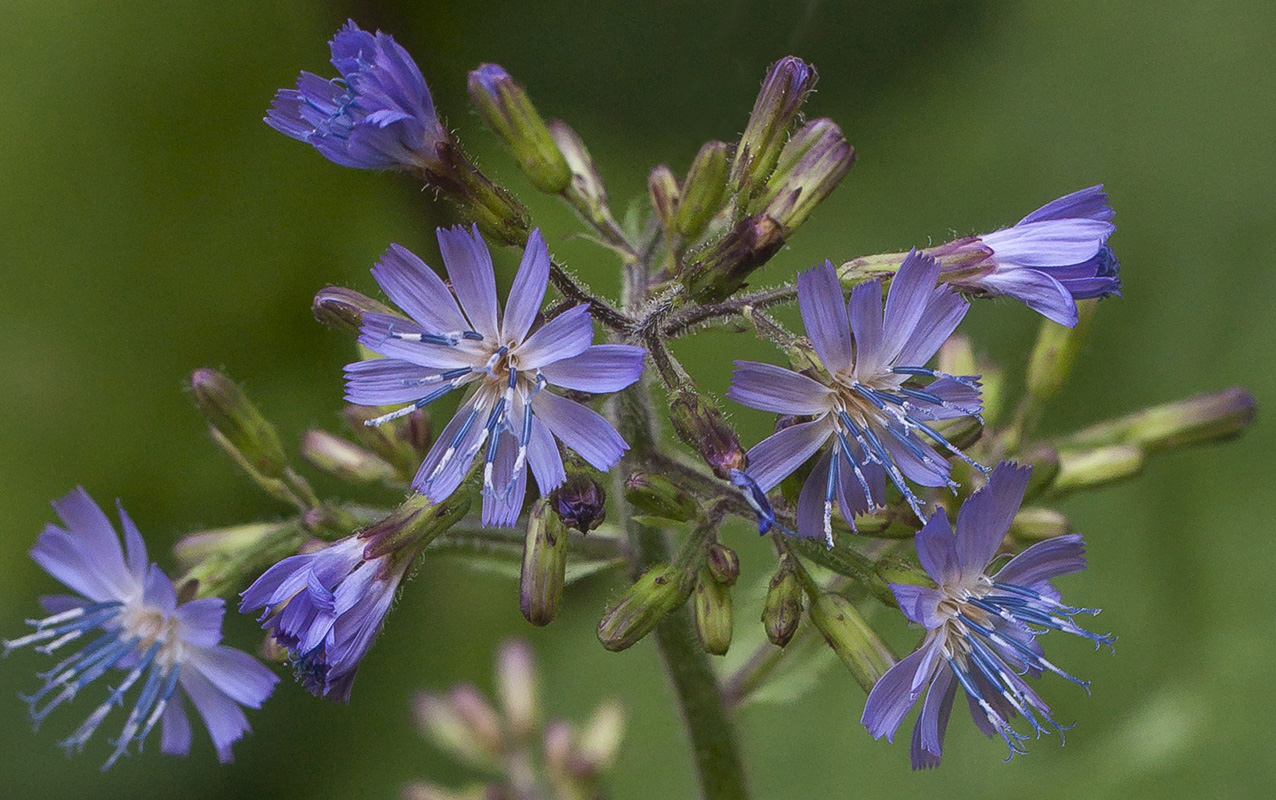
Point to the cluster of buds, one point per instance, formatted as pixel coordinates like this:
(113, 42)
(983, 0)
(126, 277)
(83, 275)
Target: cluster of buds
(532, 757)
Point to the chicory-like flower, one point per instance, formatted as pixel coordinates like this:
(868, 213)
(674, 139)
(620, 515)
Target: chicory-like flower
(507, 369)
(981, 626)
(869, 400)
(124, 611)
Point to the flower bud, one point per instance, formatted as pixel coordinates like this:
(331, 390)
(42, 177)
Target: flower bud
(402, 442)
(1055, 352)
(586, 190)
(580, 502)
(1044, 461)
(218, 561)
(1196, 420)
(415, 523)
(784, 90)
(517, 685)
(859, 648)
(704, 428)
(1034, 524)
(782, 610)
(659, 591)
(466, 734)
(723, 563)
(599, 742)
(239, 422)
(344, 459)
(713, 613)
(663, 186)
(507, 110)
(1094, 468)
(342, 309)
(810, 167)
(723, 268)
(656, 496)
(703, 190)
(544, 565)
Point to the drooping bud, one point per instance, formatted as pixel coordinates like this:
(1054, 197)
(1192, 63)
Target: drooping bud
(810, 167)
(1196, 420)
(784, 90)
(723, 268)
(239, 422)
(1094, 468)
(723, 563)
(859, 648)
(471, 734)
(713, 613)
(585, 191)
(659, 591)
(703, 190)
(580, 502)
(544, 564)
(704, 428)
(344, 459)
(517, 686)
(663, 186)
(1055, 352)
(508, 112)
(342, 309)
(1035, 524)
(657, 496)
(782, 610)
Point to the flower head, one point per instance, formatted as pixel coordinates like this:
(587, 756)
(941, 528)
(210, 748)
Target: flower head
(981, 628)
(126, 609)
(506, 368)
(868, 401)
(1048, 260)
(377, 115)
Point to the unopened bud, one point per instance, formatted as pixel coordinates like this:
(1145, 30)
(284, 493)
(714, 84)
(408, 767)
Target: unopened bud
(1035, 524)
(663, 186)
(453, 729)
(599, 742)
(508, 111)
(544, 565)
(1044, 461)
(784, 90)
(657, 496)
(810, 167)
(723, 268)
(344, 459)
(703, 190)
(704, 428)
(517, 685)
(342, 309)
(723, 563)
(580, 502)
(658, 592)
(956, 356)
(239, 422)
(559, 747)
(586, 190)
(859, 648)
(713, 613)
(218, 560)
(402, 442)
(1094, 468)
(1056, 351)
(1196, 420)
(783, 608)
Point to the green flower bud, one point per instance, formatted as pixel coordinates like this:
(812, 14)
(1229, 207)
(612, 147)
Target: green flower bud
(663, 186)
(782, 610)
(723, 563)
(241, 425)
(221, 560)
(344, 459)
(704, 189)
(720, 270)
(658, 592)
(1094, 468)
(342, 309)
(402, 442)
(586, 190)
(704, 428)
(784, 90)
(1196, 420)
(859, 648)
(810, 167)
(1045, 468)
(656, 496)
(508, 111)
(1035, 524)
(544, 564)
(713, 613)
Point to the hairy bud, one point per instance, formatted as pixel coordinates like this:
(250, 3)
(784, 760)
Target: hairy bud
(240, 424)
(585, 191)
(704, 428)
(784, 90)
(657, 496)
(859, 648)
(704, 189)
(663, 186)
(342, 309)
(723, 268)
(658, 592)
(580, 502)
(544, 565)
(415, 523)
(713, 613)
(810, 167)
(508, 112)
(782, 610)
(1204, 418)
(723, 563)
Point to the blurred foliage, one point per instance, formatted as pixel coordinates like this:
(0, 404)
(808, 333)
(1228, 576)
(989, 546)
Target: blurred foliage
(152, 225)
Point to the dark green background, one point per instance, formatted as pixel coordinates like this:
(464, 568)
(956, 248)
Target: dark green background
(151, 224)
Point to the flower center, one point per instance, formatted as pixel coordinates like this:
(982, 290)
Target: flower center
(150, 625)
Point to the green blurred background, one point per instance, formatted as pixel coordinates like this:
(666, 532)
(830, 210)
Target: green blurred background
(151, 224)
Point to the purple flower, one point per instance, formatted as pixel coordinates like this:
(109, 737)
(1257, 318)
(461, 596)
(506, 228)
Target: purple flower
(129, 609)
(377, 115)
(327, 608)
(868, 401)
(509, 415)
(1051, 258)
(981, 629)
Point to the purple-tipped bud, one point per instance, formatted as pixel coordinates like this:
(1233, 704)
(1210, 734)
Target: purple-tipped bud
(723, 268)
(508, 111)
(664, 189)
(784, 90)
(240, 425)
(810, 167)
(713, 613)
(344, 459)
(705, 429)
(580, 502)
(658, 592)
(544, 565)
(656, 496)
(858, 647)
(704, 189)
(342, 309)
(782, 610)
(1197, 420)
(586, 190)
(723, 563)
(1034, 524)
